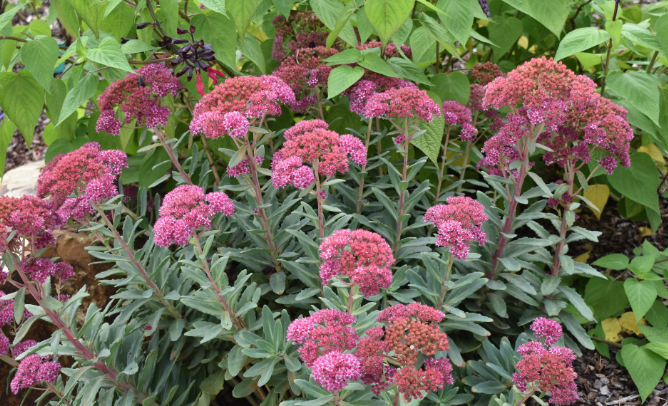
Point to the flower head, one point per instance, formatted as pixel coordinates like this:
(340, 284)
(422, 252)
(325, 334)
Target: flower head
(33, 370)
(458, 224)
(323, 332)
(409, 333)
(138, 96)
(309, 142)
(73, 180)
(548, 330)
(31, 217)
(4, 344)
(303, 72)
(546, 367)
(485, 73)
(364, 257)
(250, 96)
(370, 84)
(405, 102)
(185, 209)
(334, 370)
(302, 29)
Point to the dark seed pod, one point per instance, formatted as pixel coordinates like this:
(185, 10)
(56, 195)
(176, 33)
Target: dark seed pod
(485, 7)
(182, 71)
(141, 26)
(181, 32)
(179, 41)
(124, 40)
(190, 75)
(177, 60)
(192, 29)
(140, 81)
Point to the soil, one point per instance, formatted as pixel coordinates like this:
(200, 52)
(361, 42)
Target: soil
(604, 382)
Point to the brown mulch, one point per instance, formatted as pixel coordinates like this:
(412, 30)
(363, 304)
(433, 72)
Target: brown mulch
(603, 382)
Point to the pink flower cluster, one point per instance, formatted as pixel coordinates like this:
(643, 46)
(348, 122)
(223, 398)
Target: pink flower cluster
(485, 73)
(458, 224)
(303, 72)
(33, 370)
(321, 333)
(88, 173)
(364, 257)
(334, 370)
(310, 142)
(242, 167)
(563, 110)
(408, 332)
(185, 209)
(7, 311)
(229, 106)
(456, 114)
(370, 84)
(405, 102)
(545, 367)
(138, 96)
(31, 217)
(4, 344)
(39, 269)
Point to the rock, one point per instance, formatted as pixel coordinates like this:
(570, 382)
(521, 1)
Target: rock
(604, 391)
(22, 180)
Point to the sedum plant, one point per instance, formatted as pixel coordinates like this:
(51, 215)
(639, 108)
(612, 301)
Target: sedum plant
(332, 212)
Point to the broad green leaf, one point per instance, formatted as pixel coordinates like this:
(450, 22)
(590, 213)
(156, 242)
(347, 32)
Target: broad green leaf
(657, 314)
(40, 56)
(109, 53)
(251, 49)
(216, 5)
(658, 348)
(22, 100)
(617, 262)
(646, 368)
(387, 16)
(83, 91)
(67, 16)
(364, 27)
(505, 32)
(218, 30)
(135, 46)
(641, 35)
(639, 88)
(551, 13)
(328, 11)
(421, 45)
(661, 28)
(580, 40)
(375, 63)
(452, 86)
(639, 181)
(576, 300)
(242, 12)
(614, 28)
(430, 141)
(341, 78)
(598, 294)
(8, 15)
(458, 18)
(438, 32)
(120, 21)
(641, 296)
(89, 12)
(341, 22)
(408, 70)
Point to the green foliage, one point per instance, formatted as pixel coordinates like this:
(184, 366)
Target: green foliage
(209, 319)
